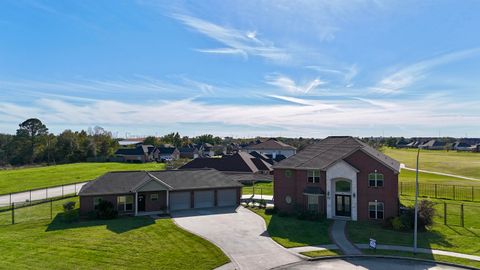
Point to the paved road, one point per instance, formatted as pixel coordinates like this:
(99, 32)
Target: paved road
(240, 233)
(366, 263)
(40, 194)
(443, 174)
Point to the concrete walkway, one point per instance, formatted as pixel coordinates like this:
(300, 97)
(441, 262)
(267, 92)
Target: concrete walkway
(337, 235)
(423, 250)
(390, 247)
(443, 174)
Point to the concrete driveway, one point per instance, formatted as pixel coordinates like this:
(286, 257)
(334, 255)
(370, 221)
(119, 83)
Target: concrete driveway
(240, 233)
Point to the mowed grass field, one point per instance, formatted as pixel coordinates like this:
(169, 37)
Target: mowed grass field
(36, 242)
(452, 162)
(13, 180)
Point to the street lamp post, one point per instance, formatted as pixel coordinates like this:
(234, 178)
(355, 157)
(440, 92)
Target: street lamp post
(416, 208)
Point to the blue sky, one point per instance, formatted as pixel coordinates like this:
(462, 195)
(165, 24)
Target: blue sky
(243, 68)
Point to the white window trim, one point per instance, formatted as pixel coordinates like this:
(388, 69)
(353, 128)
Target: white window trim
(376, 173)
(376, 209)
(315, 176)
(154, 195)
(124, 204)
(95, 203)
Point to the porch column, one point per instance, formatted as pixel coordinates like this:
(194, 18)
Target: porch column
(168, 209)
(136, 203)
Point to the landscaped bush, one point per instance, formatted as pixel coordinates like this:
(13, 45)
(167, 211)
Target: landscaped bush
(406, 220)
(69, 213)
(106, 210)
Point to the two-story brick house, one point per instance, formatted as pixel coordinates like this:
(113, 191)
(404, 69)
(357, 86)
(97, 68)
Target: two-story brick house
(341, 177)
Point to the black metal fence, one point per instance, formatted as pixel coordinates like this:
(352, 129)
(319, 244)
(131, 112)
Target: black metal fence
(17, 213)
(441, 191)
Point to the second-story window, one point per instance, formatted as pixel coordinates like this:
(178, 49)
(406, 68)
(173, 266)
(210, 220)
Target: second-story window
(375, 179)
(314, 176)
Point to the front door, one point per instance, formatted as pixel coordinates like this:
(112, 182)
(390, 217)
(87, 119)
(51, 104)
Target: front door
(342, 205)
(141, 202)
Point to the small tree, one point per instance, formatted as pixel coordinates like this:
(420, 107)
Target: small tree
(426, 213)
(105, 210)
(68, 211)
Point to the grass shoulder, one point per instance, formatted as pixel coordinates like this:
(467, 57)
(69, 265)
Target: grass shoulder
(322, 253)
(290, 232)
(423, 256)
(14, 180)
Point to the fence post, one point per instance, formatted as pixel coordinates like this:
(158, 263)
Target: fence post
(13, 213)
(462, 218)
(10, 201)
(435, 191)
(444, 213)
(454, 193)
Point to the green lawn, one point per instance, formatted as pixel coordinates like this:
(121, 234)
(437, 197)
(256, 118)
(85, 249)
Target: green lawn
(13, 180)
(409, 176)
(460, 163)
(122, 243)
(292, 232)
(432, 257)
(322, 253)
(451, 237)
(265, 188)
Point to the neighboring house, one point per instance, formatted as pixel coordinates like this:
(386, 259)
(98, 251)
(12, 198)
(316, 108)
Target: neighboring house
(340, 177)
(141, 153)
(242, 167)
(148, 192)
(462, 146)
(188, 152)
(263, 157)
(475, 148)
(168, 153)
(402, 144)
(272, 147)
(412, 144)
(433, 145)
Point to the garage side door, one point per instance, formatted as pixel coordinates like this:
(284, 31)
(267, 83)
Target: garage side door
(179, 200)
(227, 197)
(204, 199)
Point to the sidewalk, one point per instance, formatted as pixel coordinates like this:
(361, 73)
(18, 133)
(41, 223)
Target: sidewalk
(337, 235)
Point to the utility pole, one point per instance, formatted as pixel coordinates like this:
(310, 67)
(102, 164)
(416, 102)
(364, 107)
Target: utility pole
(416, 208)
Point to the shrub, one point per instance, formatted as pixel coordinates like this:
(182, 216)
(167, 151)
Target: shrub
(397, 224)
(271, 211)
(405, 221)
(105, 210)
(69, 214)
(426, 213)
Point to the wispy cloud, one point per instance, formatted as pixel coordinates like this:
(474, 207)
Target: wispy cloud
(401, 79)
(244, 43)
(289, 85)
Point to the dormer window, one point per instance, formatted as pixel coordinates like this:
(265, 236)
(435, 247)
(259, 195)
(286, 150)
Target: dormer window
(314, 176)
(375, 179)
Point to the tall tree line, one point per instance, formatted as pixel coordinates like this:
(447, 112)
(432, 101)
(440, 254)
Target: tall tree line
(32, 144)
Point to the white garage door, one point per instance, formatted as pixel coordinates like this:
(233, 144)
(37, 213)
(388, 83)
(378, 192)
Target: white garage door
(227, 197)
(179, 200)
(204, 199)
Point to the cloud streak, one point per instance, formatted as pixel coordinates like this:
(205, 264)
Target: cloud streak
(244, 43)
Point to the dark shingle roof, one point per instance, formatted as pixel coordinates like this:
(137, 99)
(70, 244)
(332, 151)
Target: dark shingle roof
(129, 181)
(166, 150)
(137, 151)
(331, 149)
(271, 144)
(434, 143)
(239, 162)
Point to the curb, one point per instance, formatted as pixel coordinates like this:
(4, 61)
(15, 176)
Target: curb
(392, 257)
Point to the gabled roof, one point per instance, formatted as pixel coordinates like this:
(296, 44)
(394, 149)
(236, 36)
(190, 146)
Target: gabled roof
(461, 144)
(186, 150)
(239, 162)
(137, 151)
(166, 150)
(324, 153)
(433, 143)
(271, 144)
(129, 181)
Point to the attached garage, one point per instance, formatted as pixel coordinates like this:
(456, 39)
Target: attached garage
(179, 200)
(227, 197)
(204, 199)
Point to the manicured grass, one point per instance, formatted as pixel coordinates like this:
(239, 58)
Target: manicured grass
(322, 253)
(409, 176)
(432, 257)
(13, 180)
(265, 188)
(292, 232)
(449, 237)
(459, 163)
(122, 243)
